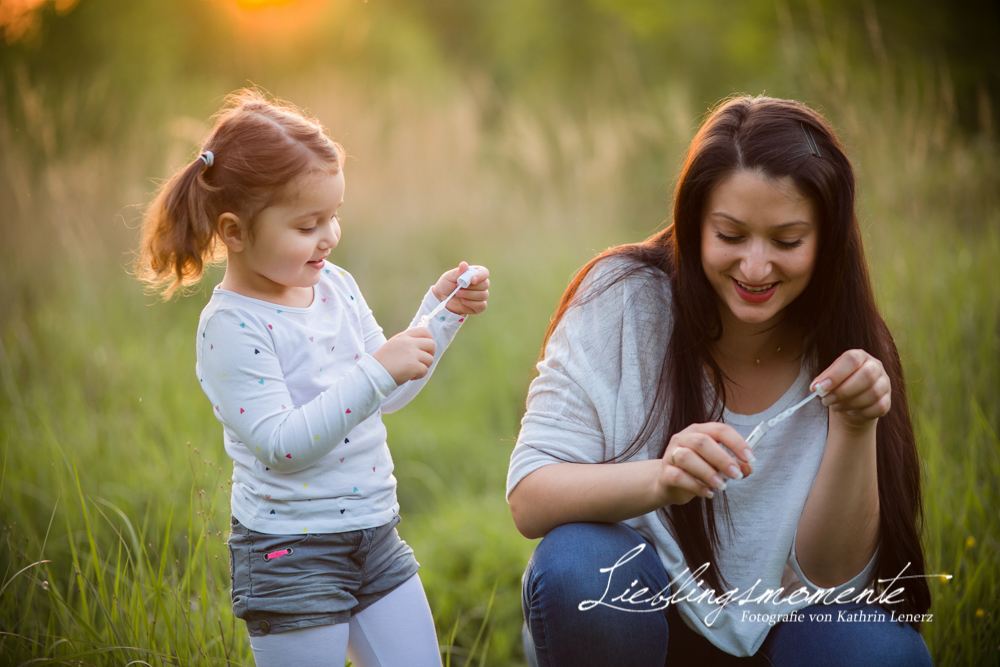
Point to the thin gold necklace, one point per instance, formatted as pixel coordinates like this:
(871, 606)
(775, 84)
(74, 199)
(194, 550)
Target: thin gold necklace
(773, 355)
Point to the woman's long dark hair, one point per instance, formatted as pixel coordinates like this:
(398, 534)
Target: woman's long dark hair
(837, 311)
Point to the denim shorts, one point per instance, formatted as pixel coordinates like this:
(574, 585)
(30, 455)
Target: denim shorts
(284, 582)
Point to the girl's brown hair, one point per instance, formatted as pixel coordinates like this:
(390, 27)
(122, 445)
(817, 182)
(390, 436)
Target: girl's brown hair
(838, 313)
(258, 146)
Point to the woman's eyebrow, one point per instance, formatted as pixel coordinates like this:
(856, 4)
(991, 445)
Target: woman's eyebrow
(783, 225)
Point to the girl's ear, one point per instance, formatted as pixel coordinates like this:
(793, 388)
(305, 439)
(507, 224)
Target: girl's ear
(231, 231)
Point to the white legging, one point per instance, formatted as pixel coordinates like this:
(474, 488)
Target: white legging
(396, 631)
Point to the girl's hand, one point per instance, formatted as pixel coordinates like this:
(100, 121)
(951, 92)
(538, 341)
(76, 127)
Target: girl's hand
(407, 355)
(468, 301)
(695, 463)
(857, 390)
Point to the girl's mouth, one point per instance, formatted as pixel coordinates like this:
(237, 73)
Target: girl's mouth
(755, 293)
(318, 264)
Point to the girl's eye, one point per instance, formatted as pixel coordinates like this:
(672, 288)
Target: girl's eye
(788, 245)
(307, 230)
(728, 239)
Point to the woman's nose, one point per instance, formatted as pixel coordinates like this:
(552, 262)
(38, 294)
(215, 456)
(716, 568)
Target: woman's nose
(756, 264)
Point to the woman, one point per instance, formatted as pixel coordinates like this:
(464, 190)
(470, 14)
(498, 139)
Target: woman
(661, 359)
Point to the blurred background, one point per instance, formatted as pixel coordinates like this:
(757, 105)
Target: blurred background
(526, 136)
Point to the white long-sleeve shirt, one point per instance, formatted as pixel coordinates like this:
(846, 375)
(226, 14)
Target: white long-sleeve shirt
(300, 399)
(594, 388)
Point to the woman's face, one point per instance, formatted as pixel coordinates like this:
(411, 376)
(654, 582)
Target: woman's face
(758, 244)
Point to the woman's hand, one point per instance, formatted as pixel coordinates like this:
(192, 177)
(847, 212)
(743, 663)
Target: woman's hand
(695, 463)
(468, 301)
(857, 390)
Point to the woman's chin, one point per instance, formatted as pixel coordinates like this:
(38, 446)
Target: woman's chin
(754, 313)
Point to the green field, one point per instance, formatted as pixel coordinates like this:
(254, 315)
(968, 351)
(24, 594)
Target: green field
(114, 495)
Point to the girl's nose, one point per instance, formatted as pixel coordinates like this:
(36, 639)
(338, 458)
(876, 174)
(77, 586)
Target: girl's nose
(331, 235)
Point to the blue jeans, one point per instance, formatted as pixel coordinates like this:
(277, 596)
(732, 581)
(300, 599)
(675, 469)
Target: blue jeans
(564, 570)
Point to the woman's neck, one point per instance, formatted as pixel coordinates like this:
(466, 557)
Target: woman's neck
(745, 344)
(759, 361)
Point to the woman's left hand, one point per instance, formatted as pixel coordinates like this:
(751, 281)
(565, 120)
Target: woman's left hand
(470, 300)
(857, 389)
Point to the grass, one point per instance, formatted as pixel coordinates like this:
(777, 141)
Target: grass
(114, 491)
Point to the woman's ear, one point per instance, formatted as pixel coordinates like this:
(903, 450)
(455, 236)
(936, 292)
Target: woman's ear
(231, 231)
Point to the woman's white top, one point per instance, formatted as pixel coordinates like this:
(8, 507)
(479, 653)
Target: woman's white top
(593, 391)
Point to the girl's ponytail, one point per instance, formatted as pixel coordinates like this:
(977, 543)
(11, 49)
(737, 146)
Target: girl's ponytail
(178, 237)
(258, 146)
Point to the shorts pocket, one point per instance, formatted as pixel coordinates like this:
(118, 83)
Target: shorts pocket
(309, 574)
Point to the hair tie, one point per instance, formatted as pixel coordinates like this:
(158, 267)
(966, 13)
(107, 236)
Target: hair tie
(208, 158)
(810, 141)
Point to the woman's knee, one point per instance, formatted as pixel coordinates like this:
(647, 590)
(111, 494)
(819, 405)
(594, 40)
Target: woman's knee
(864, 636)
(592, 556)
(578, 588)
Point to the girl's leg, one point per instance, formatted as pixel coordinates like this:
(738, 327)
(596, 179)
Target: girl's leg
(318, 646)
(397, 630)
(857, 634)
(565, 570)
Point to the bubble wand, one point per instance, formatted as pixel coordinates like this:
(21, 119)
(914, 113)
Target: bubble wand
(463, 281)
(762, 428)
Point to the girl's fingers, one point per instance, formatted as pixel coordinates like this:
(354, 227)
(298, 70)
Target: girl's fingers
(473, 294)
(475, 307)
(482, 276)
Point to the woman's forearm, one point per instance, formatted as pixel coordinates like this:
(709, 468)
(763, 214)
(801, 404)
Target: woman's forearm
(838, 530)
(570, 492)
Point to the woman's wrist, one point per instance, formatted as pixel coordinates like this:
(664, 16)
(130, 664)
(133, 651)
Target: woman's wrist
(852, 429)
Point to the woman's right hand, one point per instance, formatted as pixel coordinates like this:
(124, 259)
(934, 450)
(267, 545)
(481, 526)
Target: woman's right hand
(408, 355)
(696, 464)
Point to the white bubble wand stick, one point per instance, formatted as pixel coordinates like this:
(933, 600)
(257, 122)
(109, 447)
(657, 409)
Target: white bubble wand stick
(463, 281)
(762, 428)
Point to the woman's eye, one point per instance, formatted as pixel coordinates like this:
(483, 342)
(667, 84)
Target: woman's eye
(788, 245)
(728, 239)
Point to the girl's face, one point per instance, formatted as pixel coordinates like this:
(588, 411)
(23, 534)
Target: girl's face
(293, 236)
(758, 244)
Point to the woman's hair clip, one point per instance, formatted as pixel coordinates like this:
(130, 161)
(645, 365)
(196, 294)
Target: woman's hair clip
(208, 158)
(810, 141)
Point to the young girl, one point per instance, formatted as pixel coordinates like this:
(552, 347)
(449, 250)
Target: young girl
(661, 360)
(299, 373)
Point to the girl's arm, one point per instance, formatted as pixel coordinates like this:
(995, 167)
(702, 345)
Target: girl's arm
(242, 376)
(838, 530)
(443, 329)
